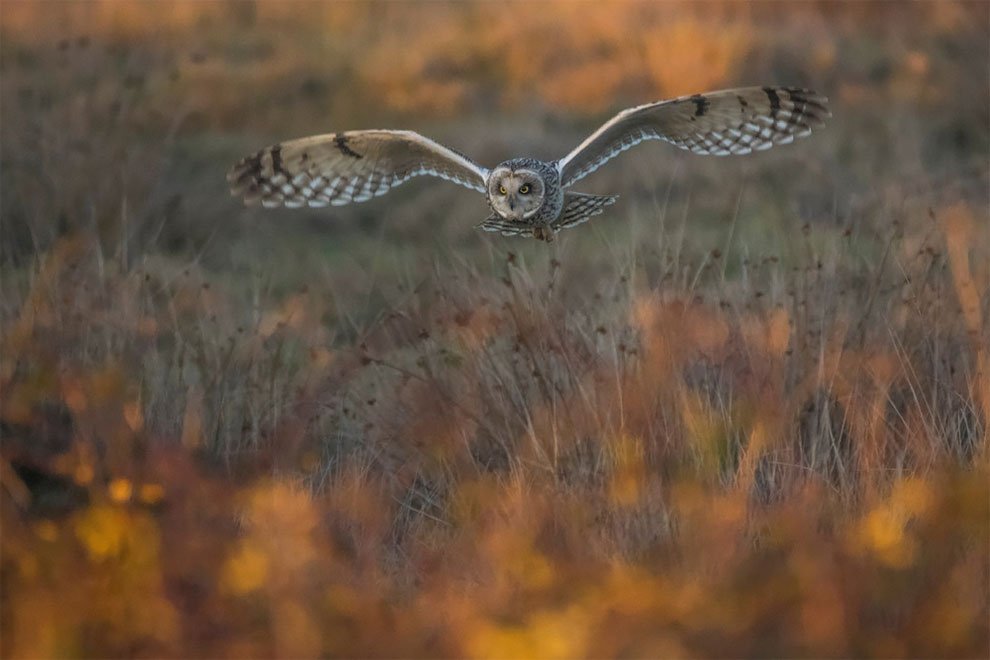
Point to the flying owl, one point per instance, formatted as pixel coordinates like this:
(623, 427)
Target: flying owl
(527, 197)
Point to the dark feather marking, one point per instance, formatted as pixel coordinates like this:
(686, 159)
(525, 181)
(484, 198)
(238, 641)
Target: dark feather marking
(277, 168)
(341, 143)
(803, 108)
(798, 113)
(701, 105)
(774, 101)
(743, 104)
(798, 96)
(249, 170)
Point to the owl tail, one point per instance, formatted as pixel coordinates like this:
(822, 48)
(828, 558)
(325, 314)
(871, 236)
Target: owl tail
(505, 227)
(579, 207)
(509, 228)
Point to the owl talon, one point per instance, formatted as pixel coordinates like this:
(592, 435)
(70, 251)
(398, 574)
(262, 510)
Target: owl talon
(543, 234)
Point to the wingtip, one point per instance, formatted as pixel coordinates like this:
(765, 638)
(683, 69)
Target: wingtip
(233, 174)
(813, 99)
(243, 179)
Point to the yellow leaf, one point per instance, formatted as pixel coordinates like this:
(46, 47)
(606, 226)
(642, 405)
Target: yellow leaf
(120, 490)
(246, 570)
(102, 531)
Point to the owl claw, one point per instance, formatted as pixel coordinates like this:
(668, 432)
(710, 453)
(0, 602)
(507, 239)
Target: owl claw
(543, 233)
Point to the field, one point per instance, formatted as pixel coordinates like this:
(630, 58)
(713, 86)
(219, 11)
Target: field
(742, 413)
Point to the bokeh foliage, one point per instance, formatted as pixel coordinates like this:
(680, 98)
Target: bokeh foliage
(744, 413)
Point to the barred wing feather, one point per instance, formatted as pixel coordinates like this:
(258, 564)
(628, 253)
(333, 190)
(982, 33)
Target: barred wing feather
(579, 208)
(340, 168)
(734, 121)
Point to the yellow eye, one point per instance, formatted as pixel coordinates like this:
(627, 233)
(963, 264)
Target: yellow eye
(524, 189)
(501, 190)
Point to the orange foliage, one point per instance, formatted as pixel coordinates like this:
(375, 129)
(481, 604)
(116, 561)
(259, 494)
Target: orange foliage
(626, 458)
(657, 534)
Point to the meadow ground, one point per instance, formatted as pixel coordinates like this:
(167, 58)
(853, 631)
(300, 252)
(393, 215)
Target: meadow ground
(745, 412)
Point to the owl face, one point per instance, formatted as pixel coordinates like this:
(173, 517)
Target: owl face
(515, 194)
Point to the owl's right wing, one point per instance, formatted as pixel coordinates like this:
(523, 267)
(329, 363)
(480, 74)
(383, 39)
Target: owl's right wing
(733, 121)
(340, 168)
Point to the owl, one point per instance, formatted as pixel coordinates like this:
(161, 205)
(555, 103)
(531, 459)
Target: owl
(526, 196)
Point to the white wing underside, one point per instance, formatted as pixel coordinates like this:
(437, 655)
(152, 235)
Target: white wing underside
(734, 121)
(340, 168)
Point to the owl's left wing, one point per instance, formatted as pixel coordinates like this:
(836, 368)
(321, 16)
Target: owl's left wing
(340, 168)
(734, 121)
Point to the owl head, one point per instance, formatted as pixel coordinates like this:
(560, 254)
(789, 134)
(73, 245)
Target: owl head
(515, 194)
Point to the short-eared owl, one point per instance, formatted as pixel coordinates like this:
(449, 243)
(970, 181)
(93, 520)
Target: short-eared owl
(527, 197)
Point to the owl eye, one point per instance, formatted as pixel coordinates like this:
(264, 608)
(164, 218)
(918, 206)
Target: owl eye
(502, 190)
(524, 189)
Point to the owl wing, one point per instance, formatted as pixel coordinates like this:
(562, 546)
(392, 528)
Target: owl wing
(340, 168)
(734, 121)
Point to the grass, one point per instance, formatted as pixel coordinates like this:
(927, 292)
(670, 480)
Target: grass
(743, 413)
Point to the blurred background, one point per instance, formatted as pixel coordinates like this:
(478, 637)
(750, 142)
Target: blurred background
(743, 412)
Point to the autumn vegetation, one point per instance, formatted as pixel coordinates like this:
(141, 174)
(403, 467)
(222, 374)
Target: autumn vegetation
(744, 413)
